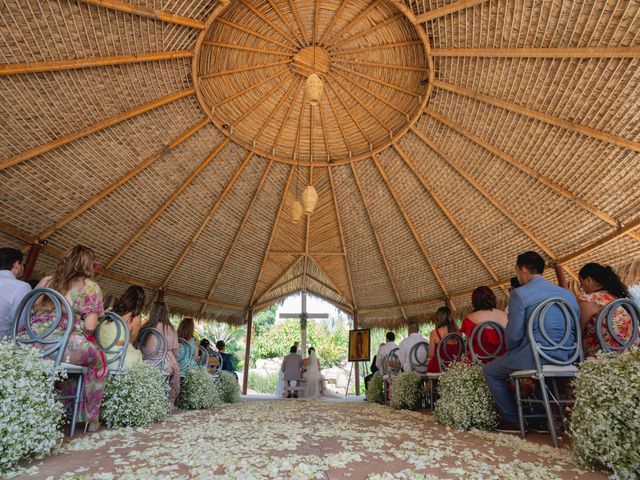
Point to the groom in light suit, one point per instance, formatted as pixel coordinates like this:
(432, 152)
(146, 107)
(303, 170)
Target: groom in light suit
(292, 368)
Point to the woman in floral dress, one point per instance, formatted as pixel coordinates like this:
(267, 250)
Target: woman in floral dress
(601, 285)
(72, 278)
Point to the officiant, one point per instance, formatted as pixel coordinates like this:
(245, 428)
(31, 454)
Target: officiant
(292, 369)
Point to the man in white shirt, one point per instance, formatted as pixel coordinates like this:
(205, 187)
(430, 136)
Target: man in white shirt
(406, 345)
(385, 349)
(12, 290)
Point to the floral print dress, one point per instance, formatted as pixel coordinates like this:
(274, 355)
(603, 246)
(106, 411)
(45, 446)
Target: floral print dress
(80, 351)
(621, 323)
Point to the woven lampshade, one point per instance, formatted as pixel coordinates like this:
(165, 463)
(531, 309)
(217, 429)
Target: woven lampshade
(309, 199)
(296, 211)
(313, 89)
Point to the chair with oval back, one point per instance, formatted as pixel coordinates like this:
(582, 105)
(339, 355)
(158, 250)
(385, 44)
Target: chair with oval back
(153, 355)
(116, 351)
(483, 356)
(418, 362)
(48, 343)
(214, 364)
(391, 368)
(185, 354)
(607, 316)
(554, 367)
(203, 361)
(445, 358)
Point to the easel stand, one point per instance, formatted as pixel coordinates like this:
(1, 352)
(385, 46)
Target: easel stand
(364, 368)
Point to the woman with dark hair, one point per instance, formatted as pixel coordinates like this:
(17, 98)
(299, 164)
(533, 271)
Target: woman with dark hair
(484, 309)
(601, 285)
(445, 324)
(186, 330)
(129, 307)
(159, 319)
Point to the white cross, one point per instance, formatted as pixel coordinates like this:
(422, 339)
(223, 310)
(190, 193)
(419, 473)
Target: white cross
(304, 316)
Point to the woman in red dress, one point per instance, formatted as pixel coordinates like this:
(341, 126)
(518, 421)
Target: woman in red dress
(484, 309)
(445, 324)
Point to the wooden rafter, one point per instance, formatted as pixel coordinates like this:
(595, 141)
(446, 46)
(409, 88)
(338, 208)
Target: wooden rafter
(338, 305)
(185, 183)
(326, 274)
(378, 81)
(412, 228)
(283, 196)
(382, 65)
(236, 236)
(293, 31)
(587, 52)
(121, 181)
(342, 243)
(109, 122)
(371, 113)
(147, 12)
(56, 66)
(278, 280)
(296, 15)
(367, 31)
(377, 238)
(529, 171)
(351, 23)
(286, 116)
(384, 46)
(277, 105)
(260, 101)
(350, 114)
(317, 254)
(311, 132)
(333, 21)
(374, 94)
(254, 86)
(486, 194)
(325, 285)
(253, 33)
(266, 19)
(324, 130)
(296, 143)
(542, 117)
(338, 122)
(207, 219)
(234, 46)
(445, 210)
(243, 69)
(447, 10)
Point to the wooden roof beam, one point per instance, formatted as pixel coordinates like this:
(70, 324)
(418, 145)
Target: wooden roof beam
(352, 22)
(367, 31)
(293, 31)
(383, 65)
(385, 46)
(121, 181)
(338, 305)
(185, 183)
(350, 114)
(247, 212)
(286, 116)
(298, 253)
(588, 52)
(278, 281)
(333, 285)
(234, 46)
(332, 22)
(254, 86)
(207, 219)
(275, 108)
(411, 226)
(244, 69)
(268, 21)
(236, 26)
(147, 12)
(260, 102)
(378, 81)
(109, 122)
(296, 15)
(92, 62)
(377, 238)
(542, 117)
(447, 10)
(283, 196)
(338, 122)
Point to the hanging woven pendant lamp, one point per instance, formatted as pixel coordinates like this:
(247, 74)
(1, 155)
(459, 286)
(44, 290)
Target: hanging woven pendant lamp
(296, 211)
(309, 199)
(313, 89)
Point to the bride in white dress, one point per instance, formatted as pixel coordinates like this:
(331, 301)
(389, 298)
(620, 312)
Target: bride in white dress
(312, 376)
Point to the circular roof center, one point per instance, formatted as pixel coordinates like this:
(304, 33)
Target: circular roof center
(252, 61)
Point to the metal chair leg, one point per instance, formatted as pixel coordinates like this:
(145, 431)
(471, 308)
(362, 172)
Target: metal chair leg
(556, 392)
(432, 395)
(76, 404)
(519, 405)
(547, 407)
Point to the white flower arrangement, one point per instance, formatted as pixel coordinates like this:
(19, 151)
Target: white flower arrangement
(605, 421)
(199, 390)
(405, 391)
(30, 412)
(135, 397)
(465, 401)
(375, 392)
(228, 387)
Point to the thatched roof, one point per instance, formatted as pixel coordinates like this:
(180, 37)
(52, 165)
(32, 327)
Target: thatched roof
(172, 137)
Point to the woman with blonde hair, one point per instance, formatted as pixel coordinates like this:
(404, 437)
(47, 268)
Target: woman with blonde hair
(445, 324)
(73, 279)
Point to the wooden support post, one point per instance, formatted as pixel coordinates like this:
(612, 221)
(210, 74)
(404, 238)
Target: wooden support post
(247, 352)
(357, 365)
(160, 295)
(32, 258)
(562, 281)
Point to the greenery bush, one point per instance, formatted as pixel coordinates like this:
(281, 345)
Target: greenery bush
(465, 401)
(375, 392)
(135, 397)
(261, 384)
(605, 421)
(199, 390)
(30, 413)
(405, 391)
(228, 387)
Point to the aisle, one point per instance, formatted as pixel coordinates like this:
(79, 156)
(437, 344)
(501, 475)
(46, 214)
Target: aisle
(303, 439)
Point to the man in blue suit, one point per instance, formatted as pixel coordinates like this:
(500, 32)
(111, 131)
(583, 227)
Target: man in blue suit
(533, 291)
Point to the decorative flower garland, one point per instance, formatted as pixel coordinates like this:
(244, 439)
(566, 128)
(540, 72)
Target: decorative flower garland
(199, 390)
(405, 391)
(375, 392)
(228, 387)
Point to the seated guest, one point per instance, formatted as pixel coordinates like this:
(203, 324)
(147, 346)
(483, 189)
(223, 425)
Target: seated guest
(385, 349)
(228, 362)
(484, 309)
(159, 319)
(186, 330)
(12, 290)
(129, 307)
(445, 324)
(601, 285)
(206, 344)
(374, 368)
(534, 290)
(73, 278)
(405, 345)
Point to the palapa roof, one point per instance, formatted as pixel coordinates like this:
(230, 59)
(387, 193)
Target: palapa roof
(172, 137)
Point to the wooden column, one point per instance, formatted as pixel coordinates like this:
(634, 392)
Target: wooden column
(32, 258)
(357, 365)
(562, 281)
(247, 351)
(160, 295)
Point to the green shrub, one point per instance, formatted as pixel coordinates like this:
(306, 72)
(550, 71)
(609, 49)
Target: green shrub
(261, 384)
(375, 392)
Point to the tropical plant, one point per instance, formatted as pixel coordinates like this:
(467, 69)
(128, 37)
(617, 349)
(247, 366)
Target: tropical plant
(261, 384)
(135, 397)
(198, 390)
(30, 413)
(605, 421)
(465, 401)
(405, 391)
